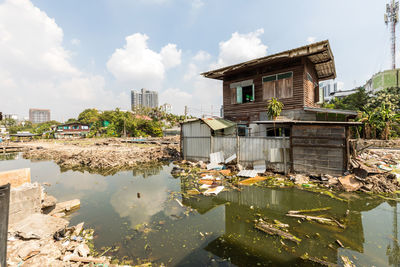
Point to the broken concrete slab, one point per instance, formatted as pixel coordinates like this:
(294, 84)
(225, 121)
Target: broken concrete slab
(350, 183)
(38, 226)
(301, 179)
(24, 201)
(30, 249)
(64, 207)
(16, 177)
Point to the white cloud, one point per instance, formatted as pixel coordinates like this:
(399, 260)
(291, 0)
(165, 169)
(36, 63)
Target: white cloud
(177, 98)
(311, 39)
(138, 66)
(35, 69)
(75, 41)
(197, 4)
(202, 56)
(241, 47)
(171, 56)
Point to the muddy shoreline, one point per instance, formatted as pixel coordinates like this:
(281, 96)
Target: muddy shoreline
(100, 155)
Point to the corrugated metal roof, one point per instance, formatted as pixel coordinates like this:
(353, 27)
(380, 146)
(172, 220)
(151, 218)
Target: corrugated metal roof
(319, 54)
(218, 124)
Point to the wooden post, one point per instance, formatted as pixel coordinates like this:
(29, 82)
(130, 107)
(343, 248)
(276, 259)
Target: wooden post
(237, 149)
(284, 152)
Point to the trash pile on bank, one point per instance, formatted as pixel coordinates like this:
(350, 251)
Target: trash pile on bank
(373, 171)
(39, 236)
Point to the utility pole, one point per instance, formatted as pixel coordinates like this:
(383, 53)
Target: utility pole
(186, 112)
(392, 18)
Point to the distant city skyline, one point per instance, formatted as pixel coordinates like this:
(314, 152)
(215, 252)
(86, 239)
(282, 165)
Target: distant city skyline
(144, 98)
(37, 115)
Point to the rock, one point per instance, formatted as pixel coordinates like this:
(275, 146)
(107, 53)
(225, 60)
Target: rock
(301, 179)
(78, 229)
(82, 250)
(349, 183)
(48, 201)
(29, 249)
(38, 226)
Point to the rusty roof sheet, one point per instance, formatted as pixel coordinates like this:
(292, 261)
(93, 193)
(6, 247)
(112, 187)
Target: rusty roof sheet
(218, 124)
(320, 54)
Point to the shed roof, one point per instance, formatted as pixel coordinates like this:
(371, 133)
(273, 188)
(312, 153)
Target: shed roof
(215, 123)
(296, 122)
(320, 54)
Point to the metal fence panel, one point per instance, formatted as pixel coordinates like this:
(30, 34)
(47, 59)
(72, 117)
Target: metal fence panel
(196, 148)
(4, 211)
(272, 150)
(225, 144)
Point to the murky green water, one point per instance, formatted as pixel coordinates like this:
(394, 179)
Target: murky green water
(137, 211)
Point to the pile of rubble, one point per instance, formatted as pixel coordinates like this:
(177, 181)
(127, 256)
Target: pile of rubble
(39, 236)
(101, 156)
(44, 240)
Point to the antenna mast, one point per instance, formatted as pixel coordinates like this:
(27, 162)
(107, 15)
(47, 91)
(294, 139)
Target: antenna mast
(392, 18)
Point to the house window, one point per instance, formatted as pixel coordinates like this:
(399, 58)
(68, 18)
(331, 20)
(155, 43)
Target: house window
(242, 92)
(278, 86)
(66, 127)
(75, 127)
(243, 130)
(277, 132)
(85, 127)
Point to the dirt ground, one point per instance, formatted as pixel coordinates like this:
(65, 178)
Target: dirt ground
(101, 154)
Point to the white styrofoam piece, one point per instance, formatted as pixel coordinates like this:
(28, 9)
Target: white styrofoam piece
(217, 157)
(214, 191)
(233, 157)
(259, 166)
(248, 173)
(213, 166)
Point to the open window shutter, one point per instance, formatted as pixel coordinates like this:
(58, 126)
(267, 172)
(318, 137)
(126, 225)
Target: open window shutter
(233, 95)
(253, 92)
(268, 90)
(239, 95)
(316, 93)
(287, 89)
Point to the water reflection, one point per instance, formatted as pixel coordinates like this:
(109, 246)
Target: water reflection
(242, 243)
(220, 232)
(8, 156)
(140, 201)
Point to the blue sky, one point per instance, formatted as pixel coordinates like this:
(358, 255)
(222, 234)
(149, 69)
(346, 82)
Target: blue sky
(68, 55)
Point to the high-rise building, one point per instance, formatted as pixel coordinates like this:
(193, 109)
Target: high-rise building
(39, 115)
(329, 88)
(144, 98)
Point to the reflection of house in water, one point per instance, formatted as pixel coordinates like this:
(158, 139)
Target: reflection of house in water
(245, 245)
(147, 171)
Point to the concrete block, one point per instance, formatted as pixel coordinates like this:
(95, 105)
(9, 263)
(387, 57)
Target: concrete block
(24, 201)
(15, 177)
